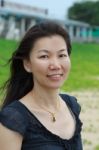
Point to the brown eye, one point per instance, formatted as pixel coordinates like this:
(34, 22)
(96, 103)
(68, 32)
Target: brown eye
(62, 55)
(44, 56)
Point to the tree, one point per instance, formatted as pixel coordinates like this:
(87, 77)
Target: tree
(87, 11)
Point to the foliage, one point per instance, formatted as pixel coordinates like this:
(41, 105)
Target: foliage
(86, 11)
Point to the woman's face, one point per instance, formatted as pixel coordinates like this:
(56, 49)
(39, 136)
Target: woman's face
(49, 62)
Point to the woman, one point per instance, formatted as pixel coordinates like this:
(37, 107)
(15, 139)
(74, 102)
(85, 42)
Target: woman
(35, 116)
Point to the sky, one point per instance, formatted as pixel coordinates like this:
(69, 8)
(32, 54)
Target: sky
(56, 8)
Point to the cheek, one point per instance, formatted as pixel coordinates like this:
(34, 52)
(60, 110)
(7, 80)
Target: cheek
(38, 67)
(67, 65)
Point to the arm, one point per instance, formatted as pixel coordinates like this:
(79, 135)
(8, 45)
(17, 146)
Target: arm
(10, 139)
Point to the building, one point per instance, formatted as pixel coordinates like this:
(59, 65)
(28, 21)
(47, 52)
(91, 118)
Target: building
(16, 18)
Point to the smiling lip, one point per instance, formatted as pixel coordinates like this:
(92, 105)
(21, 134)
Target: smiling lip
(55, 76)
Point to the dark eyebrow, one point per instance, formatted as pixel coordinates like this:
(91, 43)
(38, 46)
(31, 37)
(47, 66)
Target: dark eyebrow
(47, 51)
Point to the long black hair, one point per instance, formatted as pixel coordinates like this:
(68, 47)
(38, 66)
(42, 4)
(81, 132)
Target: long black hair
(20, 81)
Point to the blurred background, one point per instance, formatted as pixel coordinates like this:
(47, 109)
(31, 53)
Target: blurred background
(81, 19)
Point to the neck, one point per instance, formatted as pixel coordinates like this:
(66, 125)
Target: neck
(45, 97)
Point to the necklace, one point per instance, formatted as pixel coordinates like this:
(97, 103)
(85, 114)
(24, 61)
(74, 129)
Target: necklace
(53, 114)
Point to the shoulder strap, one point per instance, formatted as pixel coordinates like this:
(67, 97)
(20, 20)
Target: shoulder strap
(72, 102)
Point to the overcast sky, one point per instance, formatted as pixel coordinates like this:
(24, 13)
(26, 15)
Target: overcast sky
(57, 8)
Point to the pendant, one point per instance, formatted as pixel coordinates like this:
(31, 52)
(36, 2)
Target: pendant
(54, 119)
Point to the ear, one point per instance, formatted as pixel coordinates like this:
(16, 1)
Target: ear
(27, 65)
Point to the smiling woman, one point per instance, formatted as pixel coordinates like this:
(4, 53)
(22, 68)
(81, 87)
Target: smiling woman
(49, 62)
(34, 115)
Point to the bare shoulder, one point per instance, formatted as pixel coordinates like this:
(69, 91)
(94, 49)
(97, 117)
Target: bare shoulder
(9, 139)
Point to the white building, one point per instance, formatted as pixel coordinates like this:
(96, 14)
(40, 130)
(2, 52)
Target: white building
(16, 18)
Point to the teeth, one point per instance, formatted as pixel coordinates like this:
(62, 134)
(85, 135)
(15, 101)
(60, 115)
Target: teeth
(56, 75)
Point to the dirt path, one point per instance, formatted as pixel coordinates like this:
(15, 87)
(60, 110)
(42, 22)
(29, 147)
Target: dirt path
(89, 101)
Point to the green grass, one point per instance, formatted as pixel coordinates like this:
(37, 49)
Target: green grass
(84, 71)
(85, 67)
(97, 147)
(6, 49)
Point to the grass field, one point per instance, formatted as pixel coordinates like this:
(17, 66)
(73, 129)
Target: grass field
(6, 49)
(85, 65)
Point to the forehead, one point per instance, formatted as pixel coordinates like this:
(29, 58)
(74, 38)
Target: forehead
(55, 42)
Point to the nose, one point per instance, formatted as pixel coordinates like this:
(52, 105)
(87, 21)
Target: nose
(54, 64)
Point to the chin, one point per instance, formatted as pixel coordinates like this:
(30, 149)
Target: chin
(54, 87)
